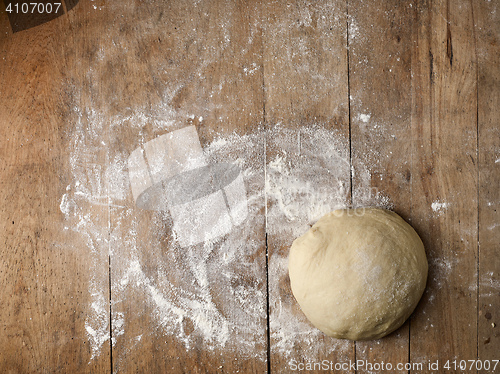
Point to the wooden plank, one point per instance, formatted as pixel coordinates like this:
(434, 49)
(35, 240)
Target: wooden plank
(201, 307)
(487, 32)
(380, 62)
(80, 93)
(307, 166)
(46, 264)
(444, 182)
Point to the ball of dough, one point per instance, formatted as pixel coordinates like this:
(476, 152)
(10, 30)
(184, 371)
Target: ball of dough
(358, 273)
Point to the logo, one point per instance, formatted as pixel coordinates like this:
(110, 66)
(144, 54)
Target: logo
(170, 173)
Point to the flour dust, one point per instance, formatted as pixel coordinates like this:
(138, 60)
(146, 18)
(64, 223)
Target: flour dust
(214, 292)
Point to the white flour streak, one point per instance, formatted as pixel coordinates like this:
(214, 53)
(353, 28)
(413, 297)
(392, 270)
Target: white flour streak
(489, 285)
(66, 205)
(494, 226)
(97, 322)
(353, 29)
(305, 179)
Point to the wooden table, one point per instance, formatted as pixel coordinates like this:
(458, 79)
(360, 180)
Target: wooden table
(320, 104)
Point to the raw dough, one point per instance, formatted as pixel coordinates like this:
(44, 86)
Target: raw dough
(358, 273)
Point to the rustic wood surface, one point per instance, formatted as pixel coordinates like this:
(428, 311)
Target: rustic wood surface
(446, 94)
(487, 31)
(302, 87)
(407, 94)
(380, 87)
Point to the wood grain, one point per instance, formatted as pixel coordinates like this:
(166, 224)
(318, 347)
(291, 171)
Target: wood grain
(380, 94)
(487, 34)
(44, 271)
(305, 77)
(204, 62)
(444, 115)
(404, 94)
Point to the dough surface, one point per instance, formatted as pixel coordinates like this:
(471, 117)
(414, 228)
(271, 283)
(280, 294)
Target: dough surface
(358, 273)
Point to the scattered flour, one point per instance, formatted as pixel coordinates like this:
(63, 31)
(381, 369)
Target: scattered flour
(214, 295)
(438, 206)
(215, 291)
(211, 295)
(363, 117)
(489, 285)
(494, 226)
(353, 29)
